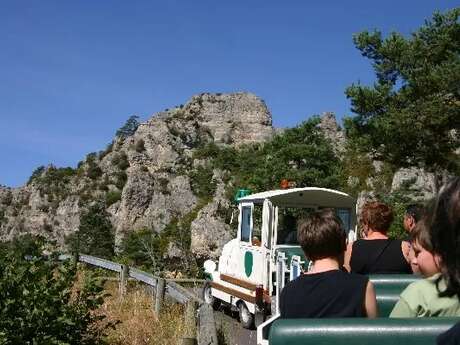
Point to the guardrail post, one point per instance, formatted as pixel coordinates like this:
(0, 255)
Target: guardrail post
(159, 295)
(190, 324)
(75, 258)
(123, 279)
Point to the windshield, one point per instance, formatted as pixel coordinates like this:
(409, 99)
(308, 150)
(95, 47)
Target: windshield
(287, 223)
(288, 218)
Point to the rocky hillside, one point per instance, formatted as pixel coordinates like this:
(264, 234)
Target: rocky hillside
(148, 178)
(144, 177)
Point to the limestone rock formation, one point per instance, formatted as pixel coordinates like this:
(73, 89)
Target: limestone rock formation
(333, 132)
(142, 177)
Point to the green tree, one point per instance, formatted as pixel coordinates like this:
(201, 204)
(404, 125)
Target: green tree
(301, 154)
(142, 248)
(129, 128)
(40, 302)
(95, 236)
(36, 174)
(410, 116)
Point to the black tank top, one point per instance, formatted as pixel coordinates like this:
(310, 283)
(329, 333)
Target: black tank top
(378, 257)
(326, 294)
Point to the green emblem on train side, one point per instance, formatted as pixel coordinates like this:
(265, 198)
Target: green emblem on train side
(248, 262)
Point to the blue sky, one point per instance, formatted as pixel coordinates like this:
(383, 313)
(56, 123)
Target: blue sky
(72, 72)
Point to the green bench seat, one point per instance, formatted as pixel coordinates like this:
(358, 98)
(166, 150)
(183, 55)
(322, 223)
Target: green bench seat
(358, 331)
(388, 287)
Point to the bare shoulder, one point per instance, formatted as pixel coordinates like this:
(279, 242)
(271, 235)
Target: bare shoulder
(347, 258)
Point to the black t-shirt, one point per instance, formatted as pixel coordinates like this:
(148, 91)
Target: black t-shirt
(327, 294)
(378, 257)
(450, 337)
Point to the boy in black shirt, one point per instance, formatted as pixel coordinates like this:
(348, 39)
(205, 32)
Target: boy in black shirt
(326, 291)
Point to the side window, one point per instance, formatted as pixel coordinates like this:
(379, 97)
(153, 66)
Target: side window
(245, 223)
(257, 223)
(344, 214)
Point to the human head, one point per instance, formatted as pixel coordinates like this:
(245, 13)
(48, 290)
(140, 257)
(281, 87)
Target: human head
(444, 216)
(412, 216)
(377, 216)
(425, 260)
(321, 236)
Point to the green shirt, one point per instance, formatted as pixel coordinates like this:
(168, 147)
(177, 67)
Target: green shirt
(421, 299)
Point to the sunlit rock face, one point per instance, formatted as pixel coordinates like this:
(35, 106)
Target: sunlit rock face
(152, 165)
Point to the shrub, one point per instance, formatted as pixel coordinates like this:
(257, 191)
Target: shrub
(121, 179)
(8, 198)
(36, 174)
(140, 146)
(95, 236)
(40, 302)
(123, 163)
(129, 128)
(142, 249)
(112, 197)
(107, 150)
(202, 183)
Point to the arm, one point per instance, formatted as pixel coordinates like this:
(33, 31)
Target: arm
(370, 303)
(347, 258)
(402, 309)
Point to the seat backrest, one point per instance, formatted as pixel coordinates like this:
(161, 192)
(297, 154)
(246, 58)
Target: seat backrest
(359, 331)
(388, 288)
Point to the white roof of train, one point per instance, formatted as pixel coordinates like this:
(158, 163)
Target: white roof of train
(303, 196)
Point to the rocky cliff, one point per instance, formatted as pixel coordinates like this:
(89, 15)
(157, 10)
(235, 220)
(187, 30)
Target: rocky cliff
(144, 178)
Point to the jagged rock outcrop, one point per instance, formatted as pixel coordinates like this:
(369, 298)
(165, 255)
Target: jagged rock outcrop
(143, 177)
(333, 132)
(208, 232)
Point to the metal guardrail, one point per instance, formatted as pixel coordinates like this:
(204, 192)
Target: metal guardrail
(207, 329)
(109, 265)
(142, 276)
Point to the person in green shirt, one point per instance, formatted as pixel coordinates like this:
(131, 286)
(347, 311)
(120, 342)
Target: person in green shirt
(421, 298)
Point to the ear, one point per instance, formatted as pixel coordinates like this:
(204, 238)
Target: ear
(437, 261)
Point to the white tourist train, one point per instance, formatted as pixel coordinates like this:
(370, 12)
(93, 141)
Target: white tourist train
(254, 266)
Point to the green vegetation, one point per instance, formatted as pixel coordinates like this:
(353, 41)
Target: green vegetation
(201, 181)
(36, 174)
(142, 249)
(121, 179)
(301, 154)
(112, 197)
(399, 200)
(8, 198)
(41, 302)
(95, 236)
(409, 117)
(53, 182)
(129, 128)
(147, 249)
(140, 146)
(120, 160)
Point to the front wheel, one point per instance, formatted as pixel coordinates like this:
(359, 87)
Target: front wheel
(246, 318)
(208, 297)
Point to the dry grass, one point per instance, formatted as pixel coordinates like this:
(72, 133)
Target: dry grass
(138, 324)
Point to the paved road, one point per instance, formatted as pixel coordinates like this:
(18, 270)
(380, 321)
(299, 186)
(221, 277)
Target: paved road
(230, 331)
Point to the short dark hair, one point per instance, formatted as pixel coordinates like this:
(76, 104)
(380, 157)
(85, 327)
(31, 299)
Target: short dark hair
(321, 235)
(377, 216)
(415, 211)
